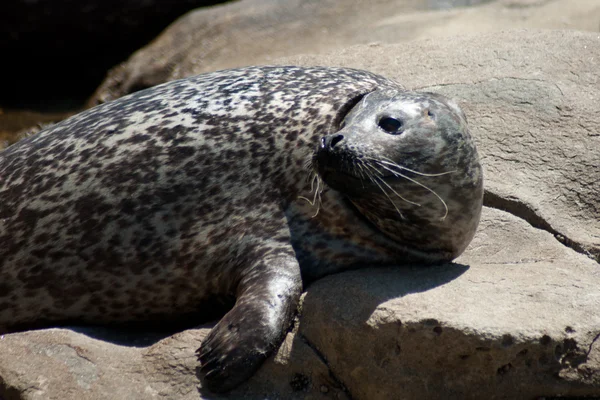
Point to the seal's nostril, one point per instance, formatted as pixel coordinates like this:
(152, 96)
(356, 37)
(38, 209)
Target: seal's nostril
(336, 140)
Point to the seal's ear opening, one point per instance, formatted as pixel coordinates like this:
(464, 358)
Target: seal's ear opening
(450, 102)
(338, 122)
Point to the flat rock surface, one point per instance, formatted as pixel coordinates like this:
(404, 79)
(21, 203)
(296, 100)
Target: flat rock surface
(500, 323)
(57, 364)
(516, 317)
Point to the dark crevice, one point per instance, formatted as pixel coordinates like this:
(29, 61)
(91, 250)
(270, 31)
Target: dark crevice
(520, 210)
(7, 392)
(592, 345)
(57, 52)
(337, 381)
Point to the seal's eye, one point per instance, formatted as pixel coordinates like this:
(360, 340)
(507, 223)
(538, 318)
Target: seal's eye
(391, 125)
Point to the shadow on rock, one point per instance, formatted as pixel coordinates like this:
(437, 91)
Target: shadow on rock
(136, 335)
(356, 294)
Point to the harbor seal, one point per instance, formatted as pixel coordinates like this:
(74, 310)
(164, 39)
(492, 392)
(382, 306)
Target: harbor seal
(229, 191)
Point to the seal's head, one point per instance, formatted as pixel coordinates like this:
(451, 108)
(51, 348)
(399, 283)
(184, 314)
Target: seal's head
(407, 162)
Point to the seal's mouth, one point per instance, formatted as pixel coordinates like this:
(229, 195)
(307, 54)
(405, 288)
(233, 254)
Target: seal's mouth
(327, 172)
(345, 181)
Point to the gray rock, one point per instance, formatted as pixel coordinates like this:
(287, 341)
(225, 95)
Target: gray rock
(57, 364)
(259, 31)
(504, 322)
(516, 317)
(532, 99)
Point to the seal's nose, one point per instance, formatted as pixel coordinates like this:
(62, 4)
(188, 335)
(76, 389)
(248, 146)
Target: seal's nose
(330, 141)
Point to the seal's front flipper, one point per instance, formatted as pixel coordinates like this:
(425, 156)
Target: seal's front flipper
(267, 298)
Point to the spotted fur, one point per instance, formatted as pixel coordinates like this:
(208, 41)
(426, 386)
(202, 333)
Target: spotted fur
(178, 201)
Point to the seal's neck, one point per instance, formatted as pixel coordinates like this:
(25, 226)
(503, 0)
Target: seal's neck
(334, 236)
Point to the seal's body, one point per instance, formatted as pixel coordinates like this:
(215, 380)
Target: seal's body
(208, 191)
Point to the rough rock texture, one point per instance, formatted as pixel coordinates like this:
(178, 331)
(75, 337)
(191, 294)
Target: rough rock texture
(516, 317)
(533, 100)
(258, 31)
(236, 34)
(58, 364)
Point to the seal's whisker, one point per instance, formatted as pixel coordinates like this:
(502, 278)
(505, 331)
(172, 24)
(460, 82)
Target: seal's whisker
(317, 197)
(380, 179)
(423, 186)
(363, 173)
(368, 171)
(315, 177)
(374, 179)
(390, 163)
(318, 190)
(308, 165)
(391, 201)
(312, 184)
(373, 168)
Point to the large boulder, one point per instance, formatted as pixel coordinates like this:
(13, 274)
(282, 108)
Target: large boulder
(532, 107)
(57, 54)
(259, 31)
(516, 317)
(58, 364)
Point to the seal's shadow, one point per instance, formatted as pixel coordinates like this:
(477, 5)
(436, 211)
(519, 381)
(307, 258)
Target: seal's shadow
(121, 335)
(146, 334)
(361, 291)
(356, 294)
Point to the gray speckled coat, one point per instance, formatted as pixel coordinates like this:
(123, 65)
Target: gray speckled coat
(174, 202)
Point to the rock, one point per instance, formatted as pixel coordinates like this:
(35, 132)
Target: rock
(516, 317)
(18, 124)
(259, 31)
(54, 53)
(57, 364)
(532, 106)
